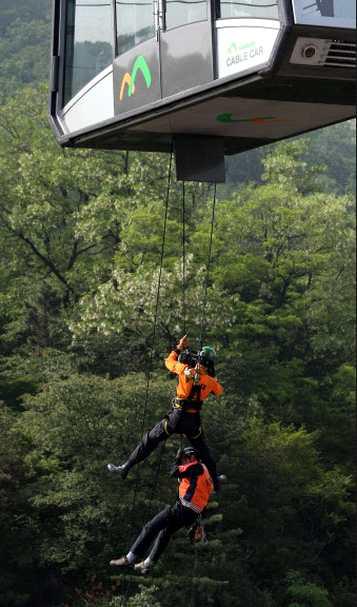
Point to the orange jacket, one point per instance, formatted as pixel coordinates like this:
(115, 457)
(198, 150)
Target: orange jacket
(195, 486)
(208, 384)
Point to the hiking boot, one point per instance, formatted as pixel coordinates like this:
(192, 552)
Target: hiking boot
(122, 562)
(123, 469)
(143, 567)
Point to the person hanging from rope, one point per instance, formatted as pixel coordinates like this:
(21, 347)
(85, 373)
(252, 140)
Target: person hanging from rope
(195, 488)
(196, 382)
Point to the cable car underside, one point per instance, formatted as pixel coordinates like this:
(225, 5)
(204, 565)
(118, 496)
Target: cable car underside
(206, 92)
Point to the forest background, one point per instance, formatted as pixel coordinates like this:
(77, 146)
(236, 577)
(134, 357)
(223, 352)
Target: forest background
(80, 244)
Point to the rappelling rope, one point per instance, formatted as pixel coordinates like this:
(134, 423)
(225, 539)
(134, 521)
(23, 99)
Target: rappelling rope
(156, 313)
(157, 302)
(183, 314)
(183, 258)
(183, 270)
(204, 303)
(203, 322)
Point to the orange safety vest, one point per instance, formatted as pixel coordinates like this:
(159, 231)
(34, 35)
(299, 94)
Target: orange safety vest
(208, 384)
(195, 486)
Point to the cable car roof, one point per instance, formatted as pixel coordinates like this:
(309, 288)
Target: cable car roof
(140, 74)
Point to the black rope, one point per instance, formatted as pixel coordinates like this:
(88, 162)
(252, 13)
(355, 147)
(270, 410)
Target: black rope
(149, 372)
(203, 323)
(164, 230)
(183, 258)
(183, 314)
(184, 285)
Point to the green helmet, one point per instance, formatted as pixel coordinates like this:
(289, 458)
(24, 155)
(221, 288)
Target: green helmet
(207, 356)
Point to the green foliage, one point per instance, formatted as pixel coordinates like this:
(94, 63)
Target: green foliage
(306, 594)
(24, 50)
(336, 150)
(98, 597)
(28, 9)
(145, 598)
(24, 44)
(18, 523)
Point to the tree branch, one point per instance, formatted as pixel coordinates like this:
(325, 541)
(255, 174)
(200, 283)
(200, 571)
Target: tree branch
(76, 253)
(45, 260)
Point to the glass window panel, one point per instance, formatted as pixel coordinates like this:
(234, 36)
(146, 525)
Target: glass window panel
(182, 12)
(247, 9)
(89, 42)
(135, 23)
(339, 13)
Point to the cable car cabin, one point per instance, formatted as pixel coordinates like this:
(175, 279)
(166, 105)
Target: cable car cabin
(213, 76)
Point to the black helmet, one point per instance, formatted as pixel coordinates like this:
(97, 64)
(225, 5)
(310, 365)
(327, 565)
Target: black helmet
(187, 451)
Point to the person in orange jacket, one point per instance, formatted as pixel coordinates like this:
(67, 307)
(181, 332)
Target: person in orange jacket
(196, 382)
(195, 488)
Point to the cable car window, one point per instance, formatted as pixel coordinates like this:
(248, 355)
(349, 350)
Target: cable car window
(182, 12)
(88, 44)
(135, 23)
(247, 9)
(340, 13)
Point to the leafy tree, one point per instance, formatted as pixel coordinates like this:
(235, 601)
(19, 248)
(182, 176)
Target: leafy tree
(19, 525)
(24, 52)
(303, 593)
(27, 9)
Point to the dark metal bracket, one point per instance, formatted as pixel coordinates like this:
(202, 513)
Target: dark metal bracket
(199, 158)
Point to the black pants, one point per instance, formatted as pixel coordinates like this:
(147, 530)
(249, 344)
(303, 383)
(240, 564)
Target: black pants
(176, 422)
(158, 532)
